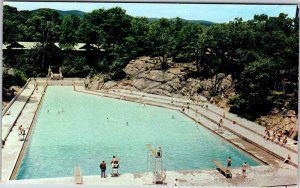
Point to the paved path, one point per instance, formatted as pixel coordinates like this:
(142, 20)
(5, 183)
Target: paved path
(257, 177)
(15, 109)
(211, 120)
(13, 146)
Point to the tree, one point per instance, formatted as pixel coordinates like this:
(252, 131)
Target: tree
(75, 66)
(69, 26)
(138, 43)
(105, 28)
(91, 29)
(254, 89)
(162, 39)
(217, 45)
(13, 24)
(190, 44)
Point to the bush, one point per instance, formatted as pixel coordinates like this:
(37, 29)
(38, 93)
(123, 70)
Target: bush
(75, 66)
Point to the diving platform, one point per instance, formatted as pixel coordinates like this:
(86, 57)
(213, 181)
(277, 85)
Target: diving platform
(159, 175)
(222, 169)
(152, 150)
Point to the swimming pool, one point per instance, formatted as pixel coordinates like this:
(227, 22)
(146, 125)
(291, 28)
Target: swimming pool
(77, 129)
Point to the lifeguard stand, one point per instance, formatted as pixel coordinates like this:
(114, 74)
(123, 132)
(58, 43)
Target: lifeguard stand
(115, 168)
(159, 175)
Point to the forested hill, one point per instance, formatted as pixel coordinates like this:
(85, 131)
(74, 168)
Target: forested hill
(66, 12)
(259, 55)
(81, 14)
(202, 22)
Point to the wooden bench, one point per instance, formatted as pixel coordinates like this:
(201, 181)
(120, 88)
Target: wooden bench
(227, 173)
(77, 176)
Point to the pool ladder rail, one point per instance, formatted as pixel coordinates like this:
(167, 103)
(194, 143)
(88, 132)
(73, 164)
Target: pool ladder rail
(77, 176)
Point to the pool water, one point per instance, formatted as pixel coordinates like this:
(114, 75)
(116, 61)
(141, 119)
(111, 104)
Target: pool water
(77, 129)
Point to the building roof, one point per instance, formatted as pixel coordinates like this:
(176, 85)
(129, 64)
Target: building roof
(20, 45)
(31, 45)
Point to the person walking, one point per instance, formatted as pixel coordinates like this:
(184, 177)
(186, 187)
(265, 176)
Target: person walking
(103, 169)
(244, 168)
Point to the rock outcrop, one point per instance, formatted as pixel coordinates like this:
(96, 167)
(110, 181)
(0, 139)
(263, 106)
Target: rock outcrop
(144, 74)
(286, 122)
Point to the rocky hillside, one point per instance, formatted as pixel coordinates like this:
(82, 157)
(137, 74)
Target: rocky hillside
(144, 74)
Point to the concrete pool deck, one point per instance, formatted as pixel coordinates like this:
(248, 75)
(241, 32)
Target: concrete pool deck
(275, 174)
(256, 176)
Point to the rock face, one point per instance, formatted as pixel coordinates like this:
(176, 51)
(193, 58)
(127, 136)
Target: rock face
(144, 74)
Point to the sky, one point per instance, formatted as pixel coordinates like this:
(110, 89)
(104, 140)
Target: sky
(214, 13)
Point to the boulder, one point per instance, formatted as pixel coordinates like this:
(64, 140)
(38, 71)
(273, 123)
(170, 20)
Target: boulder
(293, 119)
(142, 84)
(274, 111)
(175, 83)
(286, 120)
(139, 65)
(220, 76)
(263, 119)
(157, 75)
(109, 84)
(139, 84)
(291, 113)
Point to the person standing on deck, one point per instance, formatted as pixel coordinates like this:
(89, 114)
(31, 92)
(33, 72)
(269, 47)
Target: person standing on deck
(103, 169)
(21, 132)
(244, 168)
(228, 163)
(159, 152)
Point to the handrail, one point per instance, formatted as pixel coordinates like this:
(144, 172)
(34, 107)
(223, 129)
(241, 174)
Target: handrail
(15, 98)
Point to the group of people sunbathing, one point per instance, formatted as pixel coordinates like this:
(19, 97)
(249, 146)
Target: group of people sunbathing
(277, 136)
